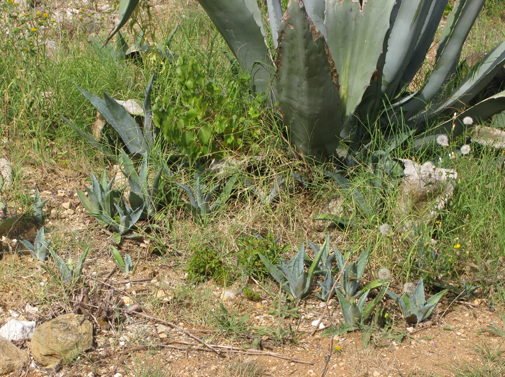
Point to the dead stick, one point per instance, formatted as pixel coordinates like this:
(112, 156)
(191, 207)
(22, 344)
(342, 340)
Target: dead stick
(225, 348)
(174, 326)
(132, 281)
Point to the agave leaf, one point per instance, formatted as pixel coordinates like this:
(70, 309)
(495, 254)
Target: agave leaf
(419, 292)
(65, 272)
(297, 263)
(484, 109)
(90, 139)
(339, 257)
(356, 32)
(367, 311)
(149, 130)
(361, 263)
(128, 263)
(424, 41)
(97, 190)
(315, 10)
(78, 268)
(414, 305)
(408, 24)
(118, 259)
(345, 305)
(29, 246)
(433, 300)
(131, 174)
(398, 302)
(275, 15)
(454, 34)
(40, 240)
(317, 259)
(476, 81)
(244, 35)
(125, 126)
(189, 192)
(422, 312)
(306, 93)
(274, 271)
(126, 8)
(362, 299)
(85, 201)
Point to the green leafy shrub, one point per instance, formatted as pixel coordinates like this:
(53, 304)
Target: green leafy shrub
(205, 264)
(251, 248)
(202, 118)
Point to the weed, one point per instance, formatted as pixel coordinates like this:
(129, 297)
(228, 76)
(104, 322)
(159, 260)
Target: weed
(206, 263)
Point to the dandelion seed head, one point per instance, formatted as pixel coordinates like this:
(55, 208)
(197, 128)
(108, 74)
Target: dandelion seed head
(443, 140)
(409, 288)
(384, 274)
(385, 230)
(467, 121)
(465, 149)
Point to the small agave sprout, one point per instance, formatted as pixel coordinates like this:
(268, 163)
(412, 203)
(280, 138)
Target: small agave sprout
(125, 264)
(40, 248)
(413, 303)
(385, 230)
(292, 276)
(443, 140)
(465, 149)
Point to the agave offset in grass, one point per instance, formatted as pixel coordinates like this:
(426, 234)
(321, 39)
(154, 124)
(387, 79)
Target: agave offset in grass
(336, 63)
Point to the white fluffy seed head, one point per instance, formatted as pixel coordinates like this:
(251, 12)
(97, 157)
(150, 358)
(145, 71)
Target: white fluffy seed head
(385, 230)
(467, 121)
(443, 140)
(409, 288)
(384, 274)
(465, 149)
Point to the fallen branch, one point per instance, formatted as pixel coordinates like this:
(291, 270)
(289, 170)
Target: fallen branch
(174, 326)
(191, 347)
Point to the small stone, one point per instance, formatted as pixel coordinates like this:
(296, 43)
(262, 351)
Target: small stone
(61, 338)
(17, 330)
(13, 313)
(410, 329)
(376, 374)
(259, 305)
(66, 205)
(228, 295)
(127, 300)
(163, 335)
(31, 309)
(11, 357)
(69, 212)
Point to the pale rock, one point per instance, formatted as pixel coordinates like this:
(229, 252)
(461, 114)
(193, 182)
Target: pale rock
(66, 205)
(6, 173)
(61, 338)
(488, 136)
(11, 357)
(424, 189)
(229, 295)
(17, 330)
(31, 309)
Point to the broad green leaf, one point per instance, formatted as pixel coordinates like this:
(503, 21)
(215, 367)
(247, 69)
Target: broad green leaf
(433, 300)
(126, 8)
(243, 32)
(274, 15)
(356, 32)
(306, 91)
(408, 24)
(118, 259)
(476, 81)
(274, 271)
(454, 34)
(125, 125)
(90, 139)
(419, 292)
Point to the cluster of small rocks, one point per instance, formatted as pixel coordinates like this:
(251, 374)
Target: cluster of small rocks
(63, 337)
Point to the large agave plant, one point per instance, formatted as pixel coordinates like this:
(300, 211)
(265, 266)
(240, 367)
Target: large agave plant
(341, 68)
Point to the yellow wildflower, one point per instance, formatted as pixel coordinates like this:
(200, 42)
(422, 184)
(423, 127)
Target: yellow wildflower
(457, 246)
(45, 15)
(33, 29)
(39, 13)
